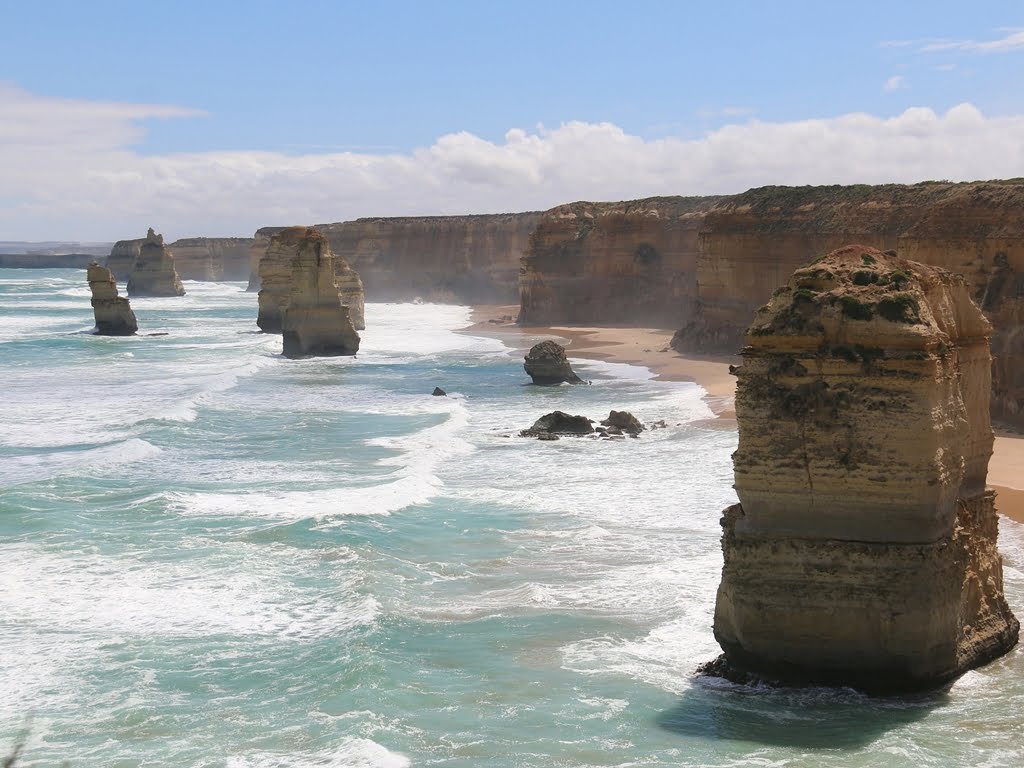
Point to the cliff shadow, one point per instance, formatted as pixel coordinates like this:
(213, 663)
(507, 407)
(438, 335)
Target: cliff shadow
(802, 718)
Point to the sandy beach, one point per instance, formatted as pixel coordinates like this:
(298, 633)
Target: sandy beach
(649, 347)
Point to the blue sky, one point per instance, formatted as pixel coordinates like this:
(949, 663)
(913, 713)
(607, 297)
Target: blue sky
(269, 91)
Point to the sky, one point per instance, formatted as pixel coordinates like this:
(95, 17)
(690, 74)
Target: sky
(216, 118)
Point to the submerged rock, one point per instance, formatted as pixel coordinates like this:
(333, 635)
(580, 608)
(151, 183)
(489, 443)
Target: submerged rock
(558, 423)
(314, 322)
(114, 316)
(547, 365)
(154, 273)
(863, 549)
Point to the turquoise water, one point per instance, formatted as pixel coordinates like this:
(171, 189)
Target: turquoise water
(213, 556)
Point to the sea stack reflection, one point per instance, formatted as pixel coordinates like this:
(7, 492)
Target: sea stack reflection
(863, 549)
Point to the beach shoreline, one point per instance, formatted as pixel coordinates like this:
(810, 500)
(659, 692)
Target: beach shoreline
(649, 347)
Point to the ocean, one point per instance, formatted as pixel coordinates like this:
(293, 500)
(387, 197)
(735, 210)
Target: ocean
(214, 556)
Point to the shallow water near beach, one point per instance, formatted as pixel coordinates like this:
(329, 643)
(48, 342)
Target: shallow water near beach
(213, 556)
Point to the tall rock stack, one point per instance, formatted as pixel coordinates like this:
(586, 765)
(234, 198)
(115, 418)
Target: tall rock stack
(154, 273)
(863, 549)
(314, 321)
(114, 316)
(276, 274)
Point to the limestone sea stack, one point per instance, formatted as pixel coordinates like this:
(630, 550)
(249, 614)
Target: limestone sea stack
(863, 549)
(275, 278)
(154, 273)
(547, 365)
(314, 321)
(123, 256)
(114, 316)
(260, 243)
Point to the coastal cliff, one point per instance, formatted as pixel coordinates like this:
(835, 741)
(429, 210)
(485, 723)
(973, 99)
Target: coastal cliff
(212, 258)
(464, 259)
(122, 258)
(627, 262)
(863, 549)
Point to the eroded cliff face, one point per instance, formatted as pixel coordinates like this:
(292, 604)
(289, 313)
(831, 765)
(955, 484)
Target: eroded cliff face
(123, 255)
(113, 314)
(260, 243)
(750, 243)
(212, 258)
(863, 549)
(154, 273)
(628, 262)
(464, 259)
(277, 275)
(314, 321)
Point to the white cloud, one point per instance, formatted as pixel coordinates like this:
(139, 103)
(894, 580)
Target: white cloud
(1012, 40)
(895, 83)
(84, 181)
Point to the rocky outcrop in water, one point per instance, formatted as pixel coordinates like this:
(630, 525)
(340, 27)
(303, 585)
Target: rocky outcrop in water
(547, 365)
(114, 316)
(623, 421)
(276, 276)
(863, 549)
(314, 321)
(154, 273)
(551, 425)
(212, 258)
(460, 259)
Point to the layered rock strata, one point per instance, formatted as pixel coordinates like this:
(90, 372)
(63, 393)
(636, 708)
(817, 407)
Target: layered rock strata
(154, 273)
(314, 321)
(461, 259)
(212, 258)
(547, 365)
(114, 316)
(863, 549)
(628, 262)
(260, 243)
(276, 276)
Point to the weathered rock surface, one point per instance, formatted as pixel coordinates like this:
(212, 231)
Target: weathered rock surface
(114, 316)
(462, 259)
(212, 258)
(628, 262)
(558, 423)
(260, 243)
(750, 243)
(863, 549)
(154, 273)
(276, 275)
(123, 255)
(314, 321)
(624, 421)
(547, 365)
(438, 392)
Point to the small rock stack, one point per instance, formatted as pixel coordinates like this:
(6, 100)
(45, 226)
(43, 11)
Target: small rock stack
(547, 365)
(114, 316)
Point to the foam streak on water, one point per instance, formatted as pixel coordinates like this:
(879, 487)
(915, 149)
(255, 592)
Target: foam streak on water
(211, 555)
